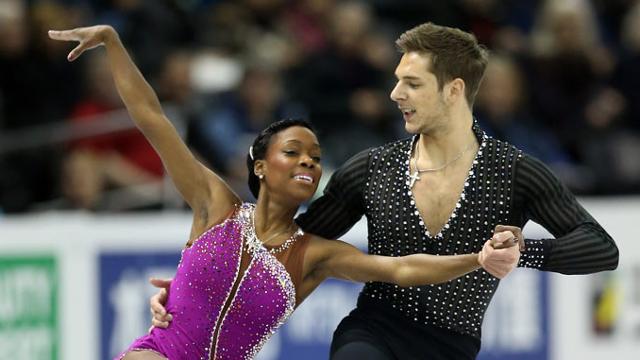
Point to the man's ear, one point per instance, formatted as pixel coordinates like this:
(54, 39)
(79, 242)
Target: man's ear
(455, 91)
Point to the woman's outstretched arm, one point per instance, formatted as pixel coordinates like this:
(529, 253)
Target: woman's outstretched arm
(337, 259)
(345, 261)
(198, 185)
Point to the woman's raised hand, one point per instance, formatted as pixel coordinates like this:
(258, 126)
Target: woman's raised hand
(88, 37)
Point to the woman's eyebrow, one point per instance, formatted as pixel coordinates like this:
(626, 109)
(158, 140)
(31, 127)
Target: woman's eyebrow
(298, 142)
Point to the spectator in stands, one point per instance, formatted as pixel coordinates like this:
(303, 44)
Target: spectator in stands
(503, 112)
(108, 161)
(344, 86)
(36, 89)
(225, 131)
(570, 65)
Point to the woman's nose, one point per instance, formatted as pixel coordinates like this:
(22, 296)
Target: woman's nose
(306, 161)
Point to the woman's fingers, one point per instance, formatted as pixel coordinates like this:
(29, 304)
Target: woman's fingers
(64, 35)
(69, 35)
(495, 271)
(88, 38)
(498, 262)
(76, 52)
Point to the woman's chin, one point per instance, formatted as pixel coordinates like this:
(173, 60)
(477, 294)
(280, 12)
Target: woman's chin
(300, 197)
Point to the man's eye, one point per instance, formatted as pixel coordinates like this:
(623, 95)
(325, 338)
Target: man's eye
(290, 152)
(414, 86)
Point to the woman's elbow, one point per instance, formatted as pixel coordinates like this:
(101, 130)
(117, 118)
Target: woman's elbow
(403, 278)
(405, 283)
(408, 278)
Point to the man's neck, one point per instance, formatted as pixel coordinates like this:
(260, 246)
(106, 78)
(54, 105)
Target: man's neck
(441, 145)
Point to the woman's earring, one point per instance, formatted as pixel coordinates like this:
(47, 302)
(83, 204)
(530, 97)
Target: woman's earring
(260, 176)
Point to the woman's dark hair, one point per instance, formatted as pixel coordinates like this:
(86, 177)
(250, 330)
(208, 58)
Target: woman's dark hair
(261, 144)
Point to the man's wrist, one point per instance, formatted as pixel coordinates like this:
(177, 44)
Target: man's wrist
(535, 255)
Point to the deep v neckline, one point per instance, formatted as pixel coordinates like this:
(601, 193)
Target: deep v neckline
(481, 137)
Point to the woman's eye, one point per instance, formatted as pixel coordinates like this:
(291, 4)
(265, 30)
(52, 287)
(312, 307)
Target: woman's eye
(316, 158)
(290, 152)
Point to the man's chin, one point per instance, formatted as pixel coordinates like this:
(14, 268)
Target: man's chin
(411, 128)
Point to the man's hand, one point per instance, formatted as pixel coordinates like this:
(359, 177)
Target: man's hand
(499, 255)
(159, 316)
(499, 233)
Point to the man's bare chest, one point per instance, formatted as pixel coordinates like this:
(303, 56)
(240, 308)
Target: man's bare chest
(436, 197)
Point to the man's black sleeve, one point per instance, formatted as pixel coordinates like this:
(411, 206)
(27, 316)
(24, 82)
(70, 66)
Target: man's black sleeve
(581, 245)
(341, 204)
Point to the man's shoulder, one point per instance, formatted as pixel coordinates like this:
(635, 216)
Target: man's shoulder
(501, 146)
(390, 148)
(373, 157)
(525, 164)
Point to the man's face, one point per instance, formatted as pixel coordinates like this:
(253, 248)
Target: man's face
(422, 104)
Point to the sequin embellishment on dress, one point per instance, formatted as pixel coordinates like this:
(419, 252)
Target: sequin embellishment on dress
(208, 273)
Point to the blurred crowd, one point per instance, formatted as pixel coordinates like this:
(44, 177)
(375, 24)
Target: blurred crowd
(562, 85)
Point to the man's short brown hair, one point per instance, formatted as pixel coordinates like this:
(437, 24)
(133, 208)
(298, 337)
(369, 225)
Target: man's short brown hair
(454, 54)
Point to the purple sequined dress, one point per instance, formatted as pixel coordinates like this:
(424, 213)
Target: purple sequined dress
(220, 309)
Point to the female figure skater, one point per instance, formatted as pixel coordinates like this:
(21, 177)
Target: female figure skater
(246, 267)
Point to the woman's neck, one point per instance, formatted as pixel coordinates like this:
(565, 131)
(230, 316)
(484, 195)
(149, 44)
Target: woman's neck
(273, 219)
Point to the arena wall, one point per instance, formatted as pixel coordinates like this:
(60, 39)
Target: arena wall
(74, 286)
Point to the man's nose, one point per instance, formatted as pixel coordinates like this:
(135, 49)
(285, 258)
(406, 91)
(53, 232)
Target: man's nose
(396, 94)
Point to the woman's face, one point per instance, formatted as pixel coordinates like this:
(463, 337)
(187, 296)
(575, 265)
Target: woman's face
(292, 164)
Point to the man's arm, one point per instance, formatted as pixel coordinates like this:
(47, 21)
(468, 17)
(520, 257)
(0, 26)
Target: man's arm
(581, 245)
(159, 316)
(341, 205)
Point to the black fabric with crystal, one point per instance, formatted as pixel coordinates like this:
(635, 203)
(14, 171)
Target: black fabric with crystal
(504, 186)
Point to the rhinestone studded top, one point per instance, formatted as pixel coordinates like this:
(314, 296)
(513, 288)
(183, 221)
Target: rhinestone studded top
(504, 186)
(397, 229)
(226, 302)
